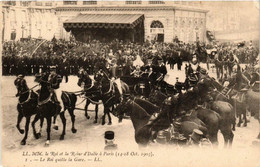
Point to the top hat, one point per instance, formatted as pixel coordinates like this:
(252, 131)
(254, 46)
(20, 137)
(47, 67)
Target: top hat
(20, 76)
(203, 71)
(109, 135)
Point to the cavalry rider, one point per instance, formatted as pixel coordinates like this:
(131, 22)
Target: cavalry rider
(194, 66)
(236, 82)
(54, 81)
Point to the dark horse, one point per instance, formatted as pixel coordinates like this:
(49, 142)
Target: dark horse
(27, 105)
(111, 92)
(48, 105)
(146, 126)
(91, 92)
(224, 109)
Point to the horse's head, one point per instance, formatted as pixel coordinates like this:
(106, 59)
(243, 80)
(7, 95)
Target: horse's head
(83, 78)
(54, 80)
(122, 109)
(42, 78)
(51, 80)
(20, 84)
(156, 96)
(99, 76)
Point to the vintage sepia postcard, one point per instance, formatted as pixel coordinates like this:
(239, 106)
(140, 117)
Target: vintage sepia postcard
(130, 83)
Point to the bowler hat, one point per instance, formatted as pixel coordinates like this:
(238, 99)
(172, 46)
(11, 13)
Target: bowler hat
(109, 135)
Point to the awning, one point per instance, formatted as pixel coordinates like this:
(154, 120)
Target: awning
(103, 21)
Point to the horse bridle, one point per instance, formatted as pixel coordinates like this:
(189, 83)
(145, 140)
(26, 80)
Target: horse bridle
(29, 89)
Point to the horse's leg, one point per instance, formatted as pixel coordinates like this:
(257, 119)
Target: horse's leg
(240, 120)
(23, 142)
(104, 116)
(63, 119)
(47, 143)
(245, 119)
(109, 117)
(231, 137)
(96, 116)
(19, 119)
(234, 124)
(36, 118)
(86, 109)
(214, 139)
(55, 126)
(41, 124)
(71, 112)
(226, 137)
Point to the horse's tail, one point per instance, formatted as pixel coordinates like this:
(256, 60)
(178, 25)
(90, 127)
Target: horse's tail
(69, 99)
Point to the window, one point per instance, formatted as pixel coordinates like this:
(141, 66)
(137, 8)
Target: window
(156, 24)
(89, 2)
(69, 2)
(48, 4)
(12, 3)
(156, 2)
(133, 2)
(38, 3)
(25, 3)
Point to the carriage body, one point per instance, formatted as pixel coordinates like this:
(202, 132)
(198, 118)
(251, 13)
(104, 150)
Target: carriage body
(139, 86)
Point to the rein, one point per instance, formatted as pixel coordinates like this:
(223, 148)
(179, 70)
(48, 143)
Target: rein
(91, 86)
(29, 89)
(28, 99)
(110, 87)
(45, 101)
(92, 101)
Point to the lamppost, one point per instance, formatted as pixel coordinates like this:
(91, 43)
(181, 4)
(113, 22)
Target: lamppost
(22, 30)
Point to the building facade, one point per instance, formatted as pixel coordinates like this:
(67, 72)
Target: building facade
(23, 19)
(163, 20)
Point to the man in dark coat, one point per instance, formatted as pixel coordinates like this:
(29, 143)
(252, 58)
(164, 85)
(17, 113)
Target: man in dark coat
(179, 59)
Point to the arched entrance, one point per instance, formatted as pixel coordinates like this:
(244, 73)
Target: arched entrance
(157, 31)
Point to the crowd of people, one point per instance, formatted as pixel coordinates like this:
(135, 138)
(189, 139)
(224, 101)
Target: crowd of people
(35, 56)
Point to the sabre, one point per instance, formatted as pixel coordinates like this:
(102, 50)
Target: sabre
(38, 47)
